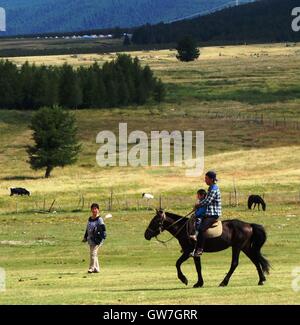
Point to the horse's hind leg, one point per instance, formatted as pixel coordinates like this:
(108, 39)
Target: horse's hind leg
(180, 275)
(262, 278)
(234, 263)
(200, 282)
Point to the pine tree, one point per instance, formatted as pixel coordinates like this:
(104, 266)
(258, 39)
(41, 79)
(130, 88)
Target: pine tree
(111, 92)
(101, 95)
(187, 50)
(141, 94)
(54, 134)
(42, 88)
(70, 93)
(159, 91)
(27, 86)
(123, 91)
(148, 77)
(9, 90)
(88, 84)
(53, 88)
(131, 88)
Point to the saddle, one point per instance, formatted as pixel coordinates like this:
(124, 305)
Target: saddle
(214, 231)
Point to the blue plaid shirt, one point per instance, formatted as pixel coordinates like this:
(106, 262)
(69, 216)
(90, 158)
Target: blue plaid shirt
(213, 202)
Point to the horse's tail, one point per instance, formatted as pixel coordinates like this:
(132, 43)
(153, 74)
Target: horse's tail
(258, 239)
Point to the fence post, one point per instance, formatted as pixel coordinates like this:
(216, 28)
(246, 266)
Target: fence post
(111, 200)
(82, 205)
(51, 206)
(160, 202)
(236, 203)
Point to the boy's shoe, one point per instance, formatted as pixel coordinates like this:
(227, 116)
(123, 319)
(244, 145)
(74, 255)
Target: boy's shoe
(90, 271)
(96, 271)
(193, 237)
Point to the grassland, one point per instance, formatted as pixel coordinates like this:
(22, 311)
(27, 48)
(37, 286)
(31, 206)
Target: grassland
(224, 93)
(26, 46)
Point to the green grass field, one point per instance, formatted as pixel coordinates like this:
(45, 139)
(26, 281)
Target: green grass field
(224, 93)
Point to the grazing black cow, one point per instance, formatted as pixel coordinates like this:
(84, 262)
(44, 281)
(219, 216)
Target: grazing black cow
(19, 191)
(256, 200)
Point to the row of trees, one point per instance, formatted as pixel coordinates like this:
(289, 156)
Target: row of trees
(265, 21)
(120, 82)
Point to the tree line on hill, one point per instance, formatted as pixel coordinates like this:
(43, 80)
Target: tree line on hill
(260, 21)
(36, 16)
(120, 82)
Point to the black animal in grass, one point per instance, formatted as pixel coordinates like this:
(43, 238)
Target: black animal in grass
(19, 191)
(241, 236)
(256, 200)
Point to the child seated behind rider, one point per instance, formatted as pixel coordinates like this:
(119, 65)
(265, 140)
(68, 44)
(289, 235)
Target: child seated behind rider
(200, 212)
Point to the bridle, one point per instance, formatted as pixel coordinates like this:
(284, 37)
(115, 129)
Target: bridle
(161, 226)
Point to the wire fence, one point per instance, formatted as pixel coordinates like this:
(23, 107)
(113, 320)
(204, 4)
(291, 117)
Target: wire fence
(259, 119)
(117, 202)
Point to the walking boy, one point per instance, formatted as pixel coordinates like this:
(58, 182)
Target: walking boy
(95, 235)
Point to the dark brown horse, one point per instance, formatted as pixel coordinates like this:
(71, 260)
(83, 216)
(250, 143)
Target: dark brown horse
(239, 235)
(256, 200)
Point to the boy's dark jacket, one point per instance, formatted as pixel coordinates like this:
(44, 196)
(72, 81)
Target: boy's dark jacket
(99, 232)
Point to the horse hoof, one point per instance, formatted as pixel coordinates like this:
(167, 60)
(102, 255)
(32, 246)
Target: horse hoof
(198, 285)
(223, 284)
(184, 281)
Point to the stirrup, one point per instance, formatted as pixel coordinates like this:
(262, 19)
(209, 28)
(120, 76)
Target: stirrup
(192, 254)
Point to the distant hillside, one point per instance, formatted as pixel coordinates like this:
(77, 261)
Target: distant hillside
(43, 16)
(264, 20)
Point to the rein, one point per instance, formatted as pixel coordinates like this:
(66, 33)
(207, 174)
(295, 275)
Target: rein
(174, 223)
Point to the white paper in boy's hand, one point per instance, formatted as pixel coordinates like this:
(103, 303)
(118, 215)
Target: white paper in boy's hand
(108, 216)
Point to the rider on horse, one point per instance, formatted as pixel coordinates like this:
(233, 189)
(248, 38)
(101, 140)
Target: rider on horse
(213, 205)
(200, 213)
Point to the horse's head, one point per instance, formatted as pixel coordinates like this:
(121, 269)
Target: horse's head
(156, 225)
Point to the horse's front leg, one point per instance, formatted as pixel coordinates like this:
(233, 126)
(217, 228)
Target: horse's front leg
(200, 282)
(180, 275)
